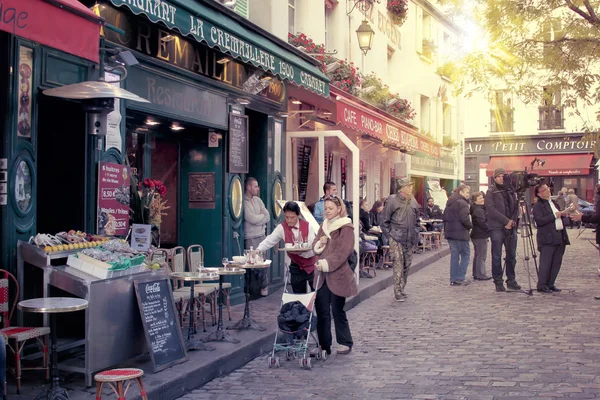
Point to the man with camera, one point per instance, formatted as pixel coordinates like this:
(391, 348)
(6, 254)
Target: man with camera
(502, 211)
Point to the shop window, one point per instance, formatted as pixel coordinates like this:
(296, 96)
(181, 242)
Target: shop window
(292, 16)
(502, 112)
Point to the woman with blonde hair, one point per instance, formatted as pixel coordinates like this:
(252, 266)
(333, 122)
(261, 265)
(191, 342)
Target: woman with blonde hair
(334, 243)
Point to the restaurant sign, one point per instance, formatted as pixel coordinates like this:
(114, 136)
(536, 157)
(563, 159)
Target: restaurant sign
(203, 30)
(420, 161)
(385, 130)
(573, 143)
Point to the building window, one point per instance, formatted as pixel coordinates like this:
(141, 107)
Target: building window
(292, 16)
(428, 45)
(447, 120)
(502, 112)
(425, 115)
(327, 23)
(550, 111)
(552, 31)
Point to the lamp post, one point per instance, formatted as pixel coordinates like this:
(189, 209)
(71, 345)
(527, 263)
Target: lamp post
(365, 36)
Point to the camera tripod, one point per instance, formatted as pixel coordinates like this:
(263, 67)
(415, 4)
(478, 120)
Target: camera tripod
(527, 242)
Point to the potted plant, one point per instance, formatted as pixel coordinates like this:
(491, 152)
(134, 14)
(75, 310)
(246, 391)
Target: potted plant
(428, 48)
(148, 205)
(449, 142)
(398, 10)
(447, 70)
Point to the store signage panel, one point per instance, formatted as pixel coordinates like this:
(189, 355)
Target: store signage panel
(537, 145)
(174, 97)
(227, 41)
(379, 128)
(190, 55)
(113, 199)
(238, 144)
(424, 162)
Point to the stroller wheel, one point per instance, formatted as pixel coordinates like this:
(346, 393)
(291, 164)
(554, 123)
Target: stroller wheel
(318, 355)
(277, 362)
(289, 355)
(324, 355)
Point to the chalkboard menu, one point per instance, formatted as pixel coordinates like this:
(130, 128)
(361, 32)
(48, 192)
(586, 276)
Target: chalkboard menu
(238, 144)
(305, 164)
(155, 301)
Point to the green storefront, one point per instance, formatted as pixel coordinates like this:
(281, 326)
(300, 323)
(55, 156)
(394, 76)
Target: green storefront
(200, 67)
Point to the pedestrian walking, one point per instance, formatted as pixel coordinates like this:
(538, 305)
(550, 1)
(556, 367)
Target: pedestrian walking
(457, 224)
(256, 218)
(480, 235)
(334, 243)
(551, 238)
(399, 223)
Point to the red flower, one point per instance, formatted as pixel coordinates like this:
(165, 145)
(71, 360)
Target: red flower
(162, 191)
(149, 183)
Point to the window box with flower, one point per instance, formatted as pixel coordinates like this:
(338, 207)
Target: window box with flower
(148, 205)
(398, 10)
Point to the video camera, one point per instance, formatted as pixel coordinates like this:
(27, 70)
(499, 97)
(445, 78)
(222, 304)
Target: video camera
(520, 181)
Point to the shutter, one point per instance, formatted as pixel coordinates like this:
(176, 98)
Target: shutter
(242, 7)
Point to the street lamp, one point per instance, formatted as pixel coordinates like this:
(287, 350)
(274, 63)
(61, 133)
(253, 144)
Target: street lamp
(365, 36)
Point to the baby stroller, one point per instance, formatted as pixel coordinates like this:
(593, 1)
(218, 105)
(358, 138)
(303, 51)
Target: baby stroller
(301, 339)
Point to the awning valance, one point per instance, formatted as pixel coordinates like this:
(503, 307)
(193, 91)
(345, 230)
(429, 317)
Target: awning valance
(207, 25)
(553, 165)
(363, 119)
(65, 25)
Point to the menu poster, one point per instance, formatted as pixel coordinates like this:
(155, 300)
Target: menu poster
(113, 199)
(238, 144)
(155, 301)
(141, 237)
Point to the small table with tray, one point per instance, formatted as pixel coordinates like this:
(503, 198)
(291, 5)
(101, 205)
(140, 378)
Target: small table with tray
(193, 277)
(247, 322)
(220, 335)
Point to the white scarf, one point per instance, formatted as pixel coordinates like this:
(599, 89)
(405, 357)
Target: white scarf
(558, 221)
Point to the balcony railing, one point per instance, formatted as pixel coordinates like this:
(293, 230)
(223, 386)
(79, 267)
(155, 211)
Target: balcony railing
(550, 118)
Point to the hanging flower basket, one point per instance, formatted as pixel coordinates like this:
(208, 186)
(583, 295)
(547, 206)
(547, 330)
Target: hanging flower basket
(398, 10)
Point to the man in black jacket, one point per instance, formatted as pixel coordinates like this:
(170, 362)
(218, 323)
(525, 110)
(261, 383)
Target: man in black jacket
(480, 235)
(432, 211)
(551, 238)
(457, 223)
(503, 212)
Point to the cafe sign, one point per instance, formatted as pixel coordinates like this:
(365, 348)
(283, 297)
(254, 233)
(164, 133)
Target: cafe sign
(573, 143)
(383, 129)
(420, 161)
(203, 30)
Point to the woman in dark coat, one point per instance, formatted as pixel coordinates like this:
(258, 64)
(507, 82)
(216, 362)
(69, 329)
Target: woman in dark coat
(551, 238)
(479, 236)
(334, 243)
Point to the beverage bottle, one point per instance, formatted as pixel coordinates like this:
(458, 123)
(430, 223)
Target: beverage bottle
(251, 259)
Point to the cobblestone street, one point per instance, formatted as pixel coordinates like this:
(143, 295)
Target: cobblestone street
(453, 343)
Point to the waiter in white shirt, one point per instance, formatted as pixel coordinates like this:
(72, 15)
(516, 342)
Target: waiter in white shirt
(292, 231)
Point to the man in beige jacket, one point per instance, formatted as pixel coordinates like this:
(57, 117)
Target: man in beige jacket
(256, 218)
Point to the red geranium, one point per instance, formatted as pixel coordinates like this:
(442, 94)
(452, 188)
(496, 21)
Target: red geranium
(398, 10)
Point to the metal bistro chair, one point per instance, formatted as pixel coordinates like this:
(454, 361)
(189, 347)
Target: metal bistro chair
(368, 261)
(195, 255)
(116, 379)
(178, 257)
(163, 257)
(18, 335)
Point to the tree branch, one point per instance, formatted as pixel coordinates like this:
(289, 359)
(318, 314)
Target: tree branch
(585, 16)
(591, 10)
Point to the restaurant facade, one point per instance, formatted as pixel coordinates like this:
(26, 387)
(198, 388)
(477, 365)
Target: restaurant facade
(215, 86)
(565, 160)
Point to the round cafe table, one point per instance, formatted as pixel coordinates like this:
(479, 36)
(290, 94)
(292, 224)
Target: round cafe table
(247, 322)
(220, 335)
(53, 306)
(192, 278)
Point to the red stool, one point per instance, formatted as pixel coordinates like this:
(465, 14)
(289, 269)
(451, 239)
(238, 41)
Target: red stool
(119, 376)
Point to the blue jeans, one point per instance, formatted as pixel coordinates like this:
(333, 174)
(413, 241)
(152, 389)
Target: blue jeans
(460, 255)
(508, 239)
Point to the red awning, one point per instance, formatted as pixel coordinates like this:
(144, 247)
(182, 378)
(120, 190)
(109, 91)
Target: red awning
(555, 164)
(65, 25)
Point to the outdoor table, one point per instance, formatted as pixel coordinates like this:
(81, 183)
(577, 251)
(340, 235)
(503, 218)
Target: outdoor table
(295, 249)
(193, 277)
(52, 306)
(247, 322)
(221, 335)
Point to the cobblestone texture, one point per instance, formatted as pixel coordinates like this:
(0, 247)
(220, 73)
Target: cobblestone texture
(453, 343)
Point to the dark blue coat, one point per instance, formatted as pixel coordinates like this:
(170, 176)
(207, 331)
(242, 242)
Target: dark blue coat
(547, 235)
(457, 220)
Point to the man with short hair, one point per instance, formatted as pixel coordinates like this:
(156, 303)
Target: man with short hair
(457, 224)
(329, 189)
(294, 230)
(502, 211)
(256, 218)
(432, 211)
(400, 220)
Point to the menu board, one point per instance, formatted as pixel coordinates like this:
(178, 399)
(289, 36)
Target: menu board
(113, 199)
(238, 144)
(159, 319)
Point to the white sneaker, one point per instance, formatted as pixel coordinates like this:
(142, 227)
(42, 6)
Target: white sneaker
(341, 349)
(264, 292)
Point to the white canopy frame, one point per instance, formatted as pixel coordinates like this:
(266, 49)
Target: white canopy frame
(353, 172)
